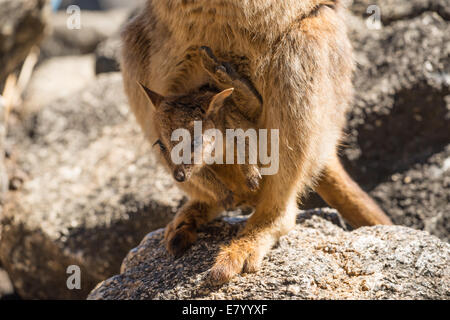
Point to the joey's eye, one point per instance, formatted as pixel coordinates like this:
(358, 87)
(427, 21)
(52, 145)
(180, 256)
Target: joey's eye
(161, 145)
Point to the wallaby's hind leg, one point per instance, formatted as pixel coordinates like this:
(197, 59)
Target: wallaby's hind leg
(339, 190)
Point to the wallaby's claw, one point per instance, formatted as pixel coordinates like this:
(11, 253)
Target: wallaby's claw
(178, 240)
(223, 76)
(208, 59)
(217, 70)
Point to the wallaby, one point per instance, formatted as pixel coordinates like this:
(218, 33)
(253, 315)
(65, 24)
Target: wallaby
(298, 57)
(215, 110)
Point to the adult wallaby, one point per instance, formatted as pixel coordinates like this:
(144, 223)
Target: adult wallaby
(297, 55)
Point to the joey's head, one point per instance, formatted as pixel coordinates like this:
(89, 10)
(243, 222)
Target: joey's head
(183, 124)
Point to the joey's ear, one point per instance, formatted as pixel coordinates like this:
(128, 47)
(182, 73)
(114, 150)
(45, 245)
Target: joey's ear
(218, 100)
(154, 97)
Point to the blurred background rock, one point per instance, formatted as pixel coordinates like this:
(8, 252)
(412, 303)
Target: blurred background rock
(83, 188)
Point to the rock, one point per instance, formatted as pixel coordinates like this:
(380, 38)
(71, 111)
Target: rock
(317, 260)
(96, 26)
(100, 4)
(3, 175)
(394, 10)
(107, 55)
(401, 114)
(94, 190)
(50, 81)
(420, 196)
(23, 25)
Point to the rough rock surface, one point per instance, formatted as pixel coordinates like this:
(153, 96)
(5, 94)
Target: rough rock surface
(93, 191)
(317, 260)
(420, 196)
(401, 114)
(22, 25)
(107, 55)
(57, 78)
(401, 117)
(393, 10)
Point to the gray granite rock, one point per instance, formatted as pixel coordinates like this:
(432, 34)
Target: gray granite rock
(401, 117)
(420, 196)
(23, 24)
(107, 55)
(394, 10)
(57, 78)
(401, 113)
(317, 260)
(93, 191)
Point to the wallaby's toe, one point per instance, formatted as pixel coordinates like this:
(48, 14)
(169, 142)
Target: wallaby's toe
(179, 240)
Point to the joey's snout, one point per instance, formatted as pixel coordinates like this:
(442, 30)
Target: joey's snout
(181, 174)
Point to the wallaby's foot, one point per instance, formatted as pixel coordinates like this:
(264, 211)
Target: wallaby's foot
(242, 255)
(230, 262)
(208, 60)
(216, 69)
(181, 232)
(179, 238)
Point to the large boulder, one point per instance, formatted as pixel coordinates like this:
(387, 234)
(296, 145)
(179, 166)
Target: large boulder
(401, 113)
(393, 10)
(50, 81)
(317, 260)
(93, 191)
(420, 196)
(401, 116)
(107, 55)
(22, 25)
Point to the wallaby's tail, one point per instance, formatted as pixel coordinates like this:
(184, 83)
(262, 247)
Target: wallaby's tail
(338, 189)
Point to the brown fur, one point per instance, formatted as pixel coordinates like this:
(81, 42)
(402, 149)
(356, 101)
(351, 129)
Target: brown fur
(297, 55)
(215, 111)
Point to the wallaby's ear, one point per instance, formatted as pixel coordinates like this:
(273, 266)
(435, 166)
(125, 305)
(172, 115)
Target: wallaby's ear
(218, 100)
(154, 97)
